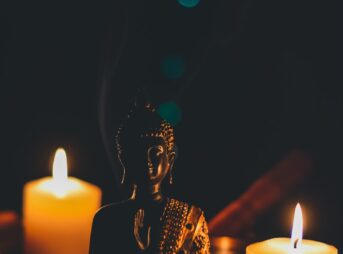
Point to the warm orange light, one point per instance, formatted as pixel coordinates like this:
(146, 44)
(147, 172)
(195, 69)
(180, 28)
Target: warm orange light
(58, 211)
(296, 245)
(297, 230)
(60, 166)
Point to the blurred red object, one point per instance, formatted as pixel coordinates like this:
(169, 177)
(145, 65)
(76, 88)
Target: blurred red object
(238, 217)
(11, 236)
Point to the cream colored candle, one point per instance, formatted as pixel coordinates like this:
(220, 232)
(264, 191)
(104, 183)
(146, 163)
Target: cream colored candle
(283, 246)
(293, 245)
(58, 212)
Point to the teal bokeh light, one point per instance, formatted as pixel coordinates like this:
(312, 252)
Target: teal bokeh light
(189, 3)
(170, 112)
(173, 67)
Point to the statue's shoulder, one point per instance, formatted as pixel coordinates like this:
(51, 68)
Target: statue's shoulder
(112, 229)
(183, 224)
(196, 233)
(194, 214)
(114, 209)
(175, 204)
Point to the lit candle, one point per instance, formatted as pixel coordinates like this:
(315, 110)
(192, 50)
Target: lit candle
(295, 245)
(58, 212)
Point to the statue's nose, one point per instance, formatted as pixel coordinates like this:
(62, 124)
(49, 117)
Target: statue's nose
(152, 172)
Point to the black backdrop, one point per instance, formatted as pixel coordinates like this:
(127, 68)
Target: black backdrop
(252, 79)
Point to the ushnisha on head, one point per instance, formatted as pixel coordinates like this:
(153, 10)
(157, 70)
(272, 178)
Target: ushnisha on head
(146, 150)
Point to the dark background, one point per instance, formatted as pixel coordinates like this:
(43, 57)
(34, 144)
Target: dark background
(252, 79)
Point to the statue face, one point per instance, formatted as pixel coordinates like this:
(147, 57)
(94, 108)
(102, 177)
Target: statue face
(147, 162)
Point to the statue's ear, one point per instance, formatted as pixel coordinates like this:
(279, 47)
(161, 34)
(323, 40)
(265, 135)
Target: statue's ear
(173, 156)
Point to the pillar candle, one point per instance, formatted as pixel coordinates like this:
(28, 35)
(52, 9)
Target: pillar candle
(293, 245)
(58, 212)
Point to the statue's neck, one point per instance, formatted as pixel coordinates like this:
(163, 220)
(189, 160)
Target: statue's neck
(153, 194)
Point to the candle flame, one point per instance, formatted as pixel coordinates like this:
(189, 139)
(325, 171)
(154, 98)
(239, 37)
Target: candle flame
(60, 184)
(60, 167)
(297, 230)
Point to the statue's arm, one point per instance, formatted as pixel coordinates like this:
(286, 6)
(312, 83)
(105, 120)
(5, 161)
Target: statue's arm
(201, 242)
(98, 242)
(95, 237)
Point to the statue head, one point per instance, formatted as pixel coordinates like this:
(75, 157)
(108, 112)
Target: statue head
(146, 148)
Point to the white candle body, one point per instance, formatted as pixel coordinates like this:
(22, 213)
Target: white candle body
(59, 222)
(283, 246)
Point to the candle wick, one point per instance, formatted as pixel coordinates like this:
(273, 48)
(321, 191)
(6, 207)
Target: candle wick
(296, 243)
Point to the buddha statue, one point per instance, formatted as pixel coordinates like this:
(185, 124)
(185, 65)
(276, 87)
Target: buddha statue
(148, 222)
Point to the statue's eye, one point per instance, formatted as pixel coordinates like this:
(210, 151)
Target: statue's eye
(154, 155)
(156, 150)
(159, 150)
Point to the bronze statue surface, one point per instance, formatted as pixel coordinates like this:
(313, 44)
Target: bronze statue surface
(148, 222)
